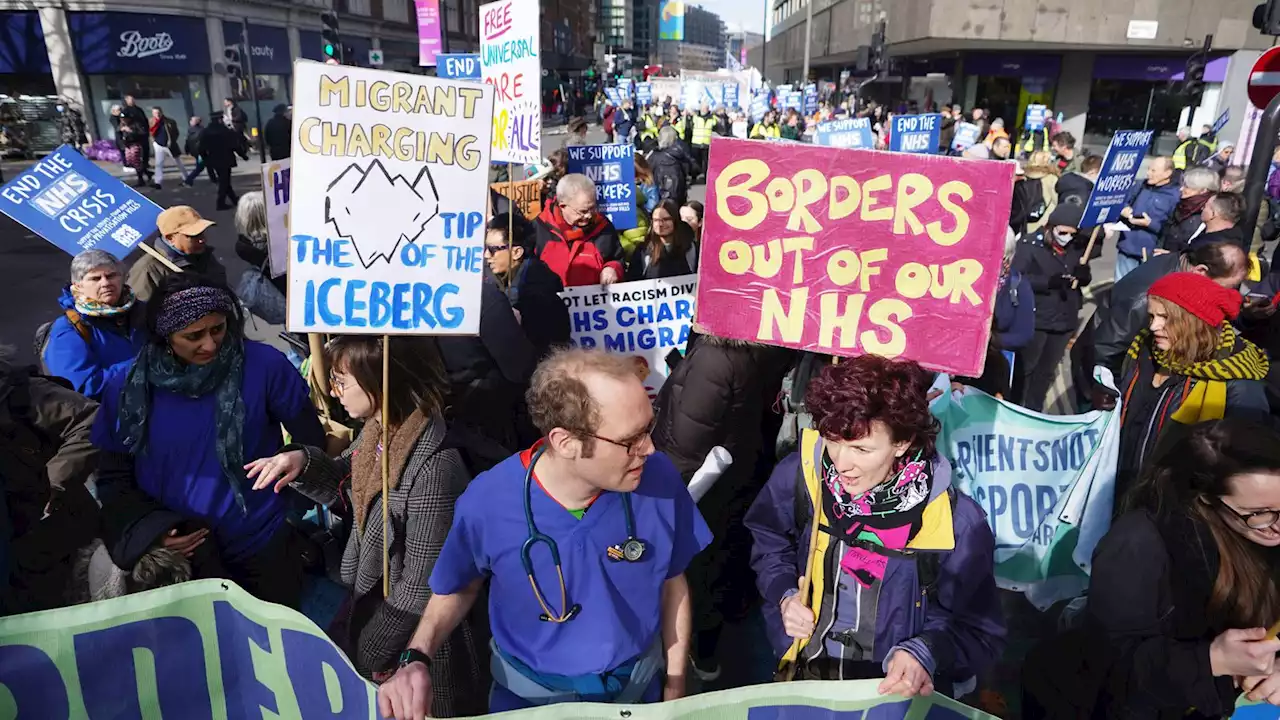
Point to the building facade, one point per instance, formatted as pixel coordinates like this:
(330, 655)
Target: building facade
(703, 46)
(738, 42)
(1103, 65)
(644, 35)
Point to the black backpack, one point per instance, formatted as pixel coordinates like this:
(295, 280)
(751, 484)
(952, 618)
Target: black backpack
(41, 340)
(1028, 204)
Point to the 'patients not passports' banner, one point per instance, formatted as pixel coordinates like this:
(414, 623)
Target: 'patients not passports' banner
(850, 252)
(510, 62)
(78, 206)
(388, 196)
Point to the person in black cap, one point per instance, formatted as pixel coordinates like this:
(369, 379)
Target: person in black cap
(1050, 259)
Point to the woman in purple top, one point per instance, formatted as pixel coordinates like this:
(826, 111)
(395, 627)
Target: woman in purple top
(898, 579)
(177, 426)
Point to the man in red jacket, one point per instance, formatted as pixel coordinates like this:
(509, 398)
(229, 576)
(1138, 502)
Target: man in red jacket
(576, 242)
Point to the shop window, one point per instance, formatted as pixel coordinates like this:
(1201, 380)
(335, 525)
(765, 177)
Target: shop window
(1132, 105)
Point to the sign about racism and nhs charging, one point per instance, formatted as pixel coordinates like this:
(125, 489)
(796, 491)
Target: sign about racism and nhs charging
(916, 133)
(647, 320)
(613, 169)
(1118, 177)
(853, 252)
(510, 62)
(846, 133)
(387, 204)
(78, 206)
(458, 66)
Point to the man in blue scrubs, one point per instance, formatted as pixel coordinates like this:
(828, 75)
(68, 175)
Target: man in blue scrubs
(612, 622)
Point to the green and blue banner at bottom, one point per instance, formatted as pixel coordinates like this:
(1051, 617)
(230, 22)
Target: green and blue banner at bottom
(207, 649)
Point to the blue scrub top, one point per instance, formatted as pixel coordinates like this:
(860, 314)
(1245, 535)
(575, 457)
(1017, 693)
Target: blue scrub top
(621, 601)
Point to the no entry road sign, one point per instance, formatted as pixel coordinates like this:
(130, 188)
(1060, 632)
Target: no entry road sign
(1264, 79)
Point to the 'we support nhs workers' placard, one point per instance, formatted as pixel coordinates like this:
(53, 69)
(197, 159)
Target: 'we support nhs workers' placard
(275, 194)
(510, 62)
(1119, 174)
(916, 133)
(78, 206)
(846, 133)
(458, 66)
(613, 169)
(386, 217)
(646, 319)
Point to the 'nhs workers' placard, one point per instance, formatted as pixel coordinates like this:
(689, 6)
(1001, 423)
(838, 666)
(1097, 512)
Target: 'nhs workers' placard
(458, 66)
(613, 169)
(646, 320)
(847, 133)
(78, 206)
(916, 133)
(1119, 174)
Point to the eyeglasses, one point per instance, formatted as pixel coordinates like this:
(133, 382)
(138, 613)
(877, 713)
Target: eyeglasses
(495, 249)
(634, 446)
(336, 383)
(1258, 520)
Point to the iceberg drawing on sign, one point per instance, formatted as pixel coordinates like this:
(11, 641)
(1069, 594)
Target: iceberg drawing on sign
(377, 212)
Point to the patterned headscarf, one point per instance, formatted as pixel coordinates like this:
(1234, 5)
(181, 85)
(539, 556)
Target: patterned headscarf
(157, 367)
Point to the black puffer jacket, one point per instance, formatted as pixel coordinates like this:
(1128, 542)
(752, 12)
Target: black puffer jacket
(1048, 268)
(671, 168)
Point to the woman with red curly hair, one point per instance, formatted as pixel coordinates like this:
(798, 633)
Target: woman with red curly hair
(897, 579)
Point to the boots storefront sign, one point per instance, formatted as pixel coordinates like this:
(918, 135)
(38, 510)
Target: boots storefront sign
(110, 43)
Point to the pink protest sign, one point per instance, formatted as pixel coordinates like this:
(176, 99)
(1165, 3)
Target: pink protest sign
(428, 12)
(850, 252)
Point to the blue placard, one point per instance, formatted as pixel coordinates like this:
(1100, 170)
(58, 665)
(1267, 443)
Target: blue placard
(1117, 178)
(1222, 121)
(613, 169)
(78, 206)
(1036, 117)
(644, 93)
(916, 133)
(759, 105)
(614, 95)
(792, 100)
(458, 66)
(847, 133)
(713, 95)
(966, 136)
(731, 96)
(810, 99)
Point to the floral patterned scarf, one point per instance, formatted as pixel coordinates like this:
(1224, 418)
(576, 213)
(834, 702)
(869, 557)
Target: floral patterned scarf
(89, 307)
(886, 516)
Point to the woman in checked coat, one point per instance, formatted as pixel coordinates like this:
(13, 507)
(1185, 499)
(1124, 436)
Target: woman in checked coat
(426, 479)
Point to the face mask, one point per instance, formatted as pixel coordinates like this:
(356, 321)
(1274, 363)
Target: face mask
(1062, 238)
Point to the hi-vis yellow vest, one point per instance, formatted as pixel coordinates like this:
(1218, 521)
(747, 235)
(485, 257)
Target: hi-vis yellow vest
(650, 129)
(702, 128)
(936, 532)
(763, 131)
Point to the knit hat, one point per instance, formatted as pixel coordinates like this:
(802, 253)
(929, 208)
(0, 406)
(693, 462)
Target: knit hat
(1199, 296)
(1069, 214)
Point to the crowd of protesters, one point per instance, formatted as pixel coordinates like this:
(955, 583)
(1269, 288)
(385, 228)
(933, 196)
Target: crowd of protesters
(543, 547)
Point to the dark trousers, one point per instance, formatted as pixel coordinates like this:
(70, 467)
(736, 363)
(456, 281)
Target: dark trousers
(700, 154)
(200, 167)
(226, 196)
(273, 574)
(1036, 365)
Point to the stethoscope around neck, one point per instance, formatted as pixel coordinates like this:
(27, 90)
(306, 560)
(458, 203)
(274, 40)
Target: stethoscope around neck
(632, 550)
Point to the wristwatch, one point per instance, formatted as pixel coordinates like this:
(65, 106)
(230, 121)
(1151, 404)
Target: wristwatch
(412, 655)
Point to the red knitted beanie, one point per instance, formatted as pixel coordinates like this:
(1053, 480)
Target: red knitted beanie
(1199, 296)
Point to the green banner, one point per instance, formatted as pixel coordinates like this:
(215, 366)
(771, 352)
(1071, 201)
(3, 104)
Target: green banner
(207, 649)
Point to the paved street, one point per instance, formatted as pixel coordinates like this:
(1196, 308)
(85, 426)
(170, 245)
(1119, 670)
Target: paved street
(36, 270)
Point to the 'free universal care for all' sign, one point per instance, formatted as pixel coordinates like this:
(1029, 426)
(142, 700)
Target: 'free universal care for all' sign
(387, 204)
(509, 61)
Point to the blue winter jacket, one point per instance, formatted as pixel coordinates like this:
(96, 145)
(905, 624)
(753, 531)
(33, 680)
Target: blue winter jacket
(112, 341)
(1156, 203)
(963, 632)
(1015, 317)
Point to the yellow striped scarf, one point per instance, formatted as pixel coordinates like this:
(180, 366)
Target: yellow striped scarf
(1207, 398)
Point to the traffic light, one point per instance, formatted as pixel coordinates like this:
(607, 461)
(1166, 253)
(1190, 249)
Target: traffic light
(1193, 75)
(330, 38)
(235, 69)
(879, 58)
(1266, 17)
